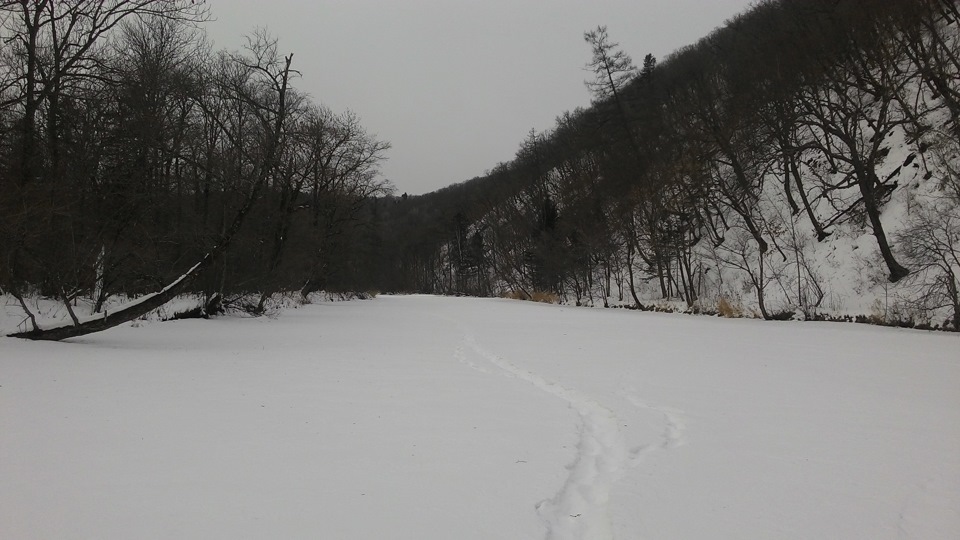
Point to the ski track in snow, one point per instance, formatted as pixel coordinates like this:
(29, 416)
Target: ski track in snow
(580, 510)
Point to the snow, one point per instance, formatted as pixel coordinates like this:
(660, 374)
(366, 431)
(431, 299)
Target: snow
(127, 305)
(422, 417)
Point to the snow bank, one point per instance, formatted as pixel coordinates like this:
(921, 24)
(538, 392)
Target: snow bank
(422, 417)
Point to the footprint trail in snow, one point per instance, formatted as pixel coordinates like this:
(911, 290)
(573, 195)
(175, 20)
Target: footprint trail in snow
(580, 510)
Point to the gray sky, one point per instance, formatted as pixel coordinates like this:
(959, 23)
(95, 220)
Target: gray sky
(456, 85)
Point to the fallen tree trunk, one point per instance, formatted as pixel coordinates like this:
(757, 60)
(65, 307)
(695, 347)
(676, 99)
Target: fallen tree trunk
(129, 312)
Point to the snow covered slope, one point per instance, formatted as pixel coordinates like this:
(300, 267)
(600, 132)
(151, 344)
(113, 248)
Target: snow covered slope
(422, 418)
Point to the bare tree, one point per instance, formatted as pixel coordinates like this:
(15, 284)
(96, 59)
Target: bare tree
(848, 114)
(261, 82)
(931, 242)
(54, 57)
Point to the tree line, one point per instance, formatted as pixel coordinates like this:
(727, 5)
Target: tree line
(735, 156)
(134, 158)
(137, 161)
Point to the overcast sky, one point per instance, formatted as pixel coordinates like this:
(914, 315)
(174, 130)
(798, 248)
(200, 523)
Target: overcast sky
(456, 85)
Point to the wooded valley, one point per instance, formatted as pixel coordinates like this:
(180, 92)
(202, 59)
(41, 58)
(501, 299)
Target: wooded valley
(802, 158)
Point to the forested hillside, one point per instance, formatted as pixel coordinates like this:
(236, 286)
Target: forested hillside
(800, 161)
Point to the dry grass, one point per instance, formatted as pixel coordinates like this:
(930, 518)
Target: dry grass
(878, 313)
(545, 297)
(536, 296)
(728, 310)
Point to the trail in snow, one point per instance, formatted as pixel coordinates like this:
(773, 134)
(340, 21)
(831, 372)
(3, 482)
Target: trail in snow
(673, 431)
(460, 356)
(580, 510)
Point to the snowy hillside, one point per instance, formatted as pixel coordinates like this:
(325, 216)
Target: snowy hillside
(437, 418)
(799, 162)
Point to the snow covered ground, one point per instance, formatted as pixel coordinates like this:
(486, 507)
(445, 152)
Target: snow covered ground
(437, 418)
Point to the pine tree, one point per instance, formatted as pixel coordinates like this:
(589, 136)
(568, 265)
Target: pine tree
(649, 64)
(612, 67)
